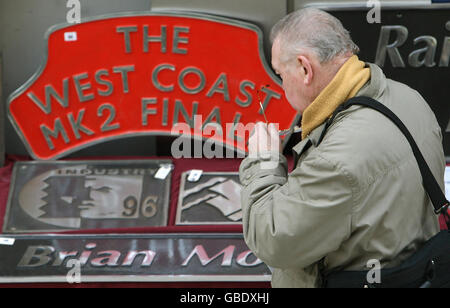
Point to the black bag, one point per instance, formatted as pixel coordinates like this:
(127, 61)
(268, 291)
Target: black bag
(429, 267)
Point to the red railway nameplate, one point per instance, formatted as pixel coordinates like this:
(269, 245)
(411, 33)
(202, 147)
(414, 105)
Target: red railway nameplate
(141, 74)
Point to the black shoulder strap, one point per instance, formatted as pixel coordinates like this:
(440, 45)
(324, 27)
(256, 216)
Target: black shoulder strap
(440, 203)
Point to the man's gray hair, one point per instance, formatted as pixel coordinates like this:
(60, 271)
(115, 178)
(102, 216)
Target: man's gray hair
(315, 30)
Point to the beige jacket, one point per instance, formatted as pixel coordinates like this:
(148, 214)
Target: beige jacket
(356, 196)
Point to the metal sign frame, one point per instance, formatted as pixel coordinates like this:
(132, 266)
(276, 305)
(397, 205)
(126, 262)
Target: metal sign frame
(183, 180)
(13, 192)
(68, 149)
(228, 252)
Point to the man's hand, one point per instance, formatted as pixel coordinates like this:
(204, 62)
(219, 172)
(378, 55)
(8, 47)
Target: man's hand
(264, 138)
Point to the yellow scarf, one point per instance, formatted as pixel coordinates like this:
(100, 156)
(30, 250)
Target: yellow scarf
(347, 82)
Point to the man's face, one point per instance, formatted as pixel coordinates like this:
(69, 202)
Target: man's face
(292, 79)
(108, 195)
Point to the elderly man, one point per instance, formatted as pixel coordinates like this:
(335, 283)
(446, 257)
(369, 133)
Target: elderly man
(355, 196)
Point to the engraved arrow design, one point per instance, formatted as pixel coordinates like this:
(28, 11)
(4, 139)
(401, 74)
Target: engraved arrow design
(223, 194)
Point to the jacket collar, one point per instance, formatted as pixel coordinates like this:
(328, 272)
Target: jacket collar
(305, 144)
(376, 85)
(373, 88)
(346, 83)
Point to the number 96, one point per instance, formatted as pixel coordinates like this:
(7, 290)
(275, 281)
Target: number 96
(147, 209)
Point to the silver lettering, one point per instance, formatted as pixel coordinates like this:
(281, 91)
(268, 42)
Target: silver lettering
(131, 256)
(177, 40)
(204, 259)
(126, 35)
(36, 256)
(111, 258)
(107, 83)
(58, 128)
(429, 51)
(156, 83)
(123, 70)
(220, 86)
(87, 253)
(249, 99)
(77, 126)
(392, 49)
(242, 259)
(81, 87)
(165, 114)
(107, 126)
(158, 39)
(49, 93)
(269, 95)
(215, 114)
(198, 73)
(62, 256)
(445, 55)
(179, 107)
(148, 111)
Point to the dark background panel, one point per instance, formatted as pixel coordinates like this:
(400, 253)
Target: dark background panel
(431, 82)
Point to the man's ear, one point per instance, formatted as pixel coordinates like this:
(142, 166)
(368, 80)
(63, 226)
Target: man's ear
(307, 69)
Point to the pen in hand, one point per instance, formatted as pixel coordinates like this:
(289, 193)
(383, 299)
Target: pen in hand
(292, 130)
(260, 103)
(264, 114)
